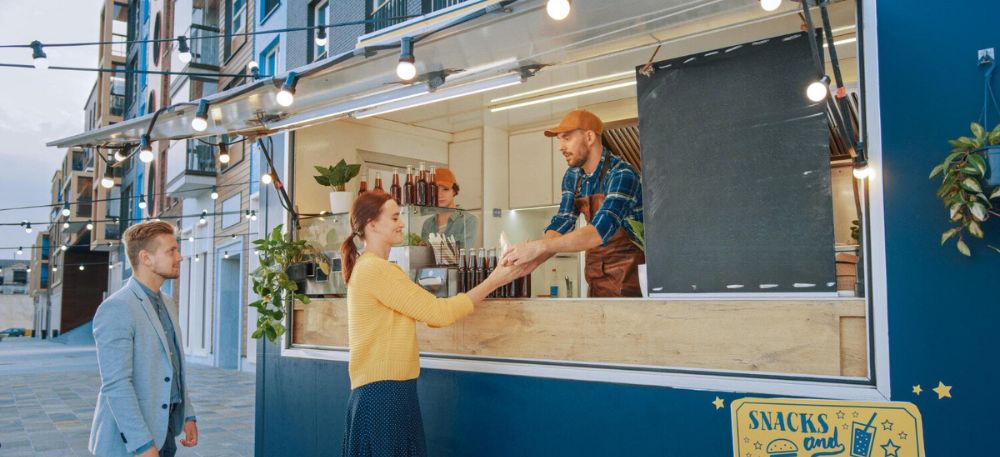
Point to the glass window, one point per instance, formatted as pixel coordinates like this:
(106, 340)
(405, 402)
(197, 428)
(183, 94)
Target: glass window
(156, 36)
(269, 59)
(267, 7)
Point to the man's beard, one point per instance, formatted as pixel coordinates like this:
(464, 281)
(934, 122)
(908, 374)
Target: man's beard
(169, 274)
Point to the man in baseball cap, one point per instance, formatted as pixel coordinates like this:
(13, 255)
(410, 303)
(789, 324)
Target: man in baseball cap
(607, 191)
(461, 225)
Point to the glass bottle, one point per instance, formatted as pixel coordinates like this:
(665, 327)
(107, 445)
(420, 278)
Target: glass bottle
(432, 189)
(394, 189)
(462, 271)
(378, 182)
(409, 190)
(422, 186)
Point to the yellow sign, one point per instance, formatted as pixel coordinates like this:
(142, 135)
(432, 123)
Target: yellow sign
(784, 427)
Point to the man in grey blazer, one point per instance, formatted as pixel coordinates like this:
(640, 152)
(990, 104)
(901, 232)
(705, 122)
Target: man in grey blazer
(143, 404)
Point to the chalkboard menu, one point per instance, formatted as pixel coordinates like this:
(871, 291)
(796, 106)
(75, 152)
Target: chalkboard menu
(736, 172)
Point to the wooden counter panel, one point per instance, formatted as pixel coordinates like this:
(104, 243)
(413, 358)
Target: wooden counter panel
(819, 337)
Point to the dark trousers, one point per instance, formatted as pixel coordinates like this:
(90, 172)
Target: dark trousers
(170, 445)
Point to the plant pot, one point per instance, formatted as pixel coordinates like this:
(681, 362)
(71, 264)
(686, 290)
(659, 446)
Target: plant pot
(298, 273)
(993, 158)
(642, 281)
(340, 202)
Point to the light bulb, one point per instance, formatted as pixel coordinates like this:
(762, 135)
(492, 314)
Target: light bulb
(199, 124)
(196, 258)
(285, 98)
(191, 239)
(111, 266)
(224, 157)
(266, 178)
(90, 225)
(38, 57)
(558, 9)
(65, 211)
(321, 39)
(215, 195)
(55, 268)
(66, 225)
(81, 267)
(142, 203)
(64, 247)
(406, 70)
(146, 155)
(863, 171)
(253, 215)
(183, 51)
(107, 182)
(184, 56)
(818, 90)
(225, 255)
(770, 5)
(19, 251)
(27, 228)
(119, 156)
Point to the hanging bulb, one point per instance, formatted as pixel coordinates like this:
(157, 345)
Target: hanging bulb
(406, 70)
(770, 5)
(321, 39)
(861, 169)
(64, 248)
(196, 257)
(183, 51)
(65, 210)
(55, 268)
(145, 150)
(111, 266)
(558, 9)
(66, 224)
(223, 152)
(225, 254)
(142, 202)
(266, 178)
(191, 239)
(200, 121)
(215, 194)
(19, 251)
(27, 228)
(246, 214)
(90, 225)
(202, 219)
(107, 182)
(253, 215)
(254, 69)
(81, 267)
(818, 90)
(286, 96)
(38, 57)
(119, 156)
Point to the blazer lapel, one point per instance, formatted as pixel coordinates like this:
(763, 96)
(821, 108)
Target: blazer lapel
(147, 306)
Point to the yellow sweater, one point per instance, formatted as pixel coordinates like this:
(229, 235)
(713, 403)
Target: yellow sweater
(383, 307)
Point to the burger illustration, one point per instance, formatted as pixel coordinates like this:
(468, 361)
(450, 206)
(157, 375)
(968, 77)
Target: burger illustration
(782, 448)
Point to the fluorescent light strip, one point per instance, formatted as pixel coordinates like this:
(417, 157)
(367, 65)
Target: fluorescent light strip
(557, 87)
(840, 42)
(553, 98)
(442, 95)
(360, 103)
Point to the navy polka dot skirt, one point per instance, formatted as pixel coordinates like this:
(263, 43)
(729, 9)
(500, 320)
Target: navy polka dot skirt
(383, 420)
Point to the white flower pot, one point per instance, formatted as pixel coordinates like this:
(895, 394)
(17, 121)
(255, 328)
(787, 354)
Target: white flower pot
(643, 281)
(340, 202)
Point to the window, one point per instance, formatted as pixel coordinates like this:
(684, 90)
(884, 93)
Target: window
(151, 102)
(236, 12)
(320, 16)
(269, 59)
(267, 7)
(156, 43)
(231, 211)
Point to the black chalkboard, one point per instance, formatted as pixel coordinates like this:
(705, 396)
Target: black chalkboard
(736, 172)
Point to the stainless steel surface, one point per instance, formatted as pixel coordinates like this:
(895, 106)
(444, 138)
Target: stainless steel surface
(412, 258)
(440, 281)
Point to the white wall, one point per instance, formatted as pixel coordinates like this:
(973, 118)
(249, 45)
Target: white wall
(16, 310)
(197, 278)
(495, 182)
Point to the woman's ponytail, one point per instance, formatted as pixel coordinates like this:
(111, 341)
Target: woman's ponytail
(349, 256)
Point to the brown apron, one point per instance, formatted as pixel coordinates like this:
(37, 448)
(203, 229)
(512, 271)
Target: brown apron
(612, 270)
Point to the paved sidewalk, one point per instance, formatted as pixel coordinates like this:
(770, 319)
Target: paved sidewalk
(48, 392)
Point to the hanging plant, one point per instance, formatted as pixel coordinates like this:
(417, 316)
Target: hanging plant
(964, 188)
(271, 282)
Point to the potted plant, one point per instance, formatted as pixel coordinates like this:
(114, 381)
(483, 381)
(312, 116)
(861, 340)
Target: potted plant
(279, 279)
(639, 229)
(964, 188)
(337, 177)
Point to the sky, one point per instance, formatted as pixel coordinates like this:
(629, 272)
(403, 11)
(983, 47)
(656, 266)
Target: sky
(38, 106)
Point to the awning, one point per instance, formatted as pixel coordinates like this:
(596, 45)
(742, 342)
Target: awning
(470, 46)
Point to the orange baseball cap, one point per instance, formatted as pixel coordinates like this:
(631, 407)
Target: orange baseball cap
(580, 119)
(444, 177)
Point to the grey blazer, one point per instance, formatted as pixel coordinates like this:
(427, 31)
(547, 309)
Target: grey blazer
(133, 404)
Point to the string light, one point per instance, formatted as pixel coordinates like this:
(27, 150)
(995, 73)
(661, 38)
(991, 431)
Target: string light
(81, 267)
(27, 226)
(202, 219)
(111, 266)
(861, 169)
(90, 225)
(770, 5)
(191, 239)
(286, 96)
(142, 202)
(253, 215)
(38, 57)
(225, 254)
(183, 51)
(405, 69)
(64, 248)
(107, 182)
(145, 150)
(55, 268)
(223, 152)
(65, 225)
(321, 39)
(254, 69)
(119, 155)
(557, 9)
(19, 250)
(65, 210)
(266, 178)
(200, 121)
(818, 90)
(215, 193)
(196, 257)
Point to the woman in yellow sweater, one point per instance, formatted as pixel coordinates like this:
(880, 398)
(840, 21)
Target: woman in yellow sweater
(384, 306)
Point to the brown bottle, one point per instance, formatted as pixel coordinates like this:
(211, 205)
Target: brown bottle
(409, 190)
(378, 182)
(422, 186)
(394, 189)
(462, 271)
(364, 186)
(432, 189)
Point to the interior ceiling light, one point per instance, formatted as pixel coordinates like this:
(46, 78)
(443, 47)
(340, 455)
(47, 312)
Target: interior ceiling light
(200, 121)
(443, 94)
(564, 95)
(406, 70)
(558, 9)
(286, 96)
(38, 57)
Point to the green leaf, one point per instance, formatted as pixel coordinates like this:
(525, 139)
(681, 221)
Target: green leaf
(963, 248)
(950, 158)
(978, 131)
(971, 170)
(977, 161)
(995, 193)
(938, 169)
(994, 136)
(257, 333)
(968, 142)
(971, 185)
(954, 210)
(978, 211)
(975, 230)
(272, 334)
(948, 234)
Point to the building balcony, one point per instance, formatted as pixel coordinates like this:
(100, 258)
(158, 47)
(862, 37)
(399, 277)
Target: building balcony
(190, 165)
(204, 52)
(389, 12)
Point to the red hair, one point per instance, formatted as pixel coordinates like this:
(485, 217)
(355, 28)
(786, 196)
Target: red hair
(366, 208)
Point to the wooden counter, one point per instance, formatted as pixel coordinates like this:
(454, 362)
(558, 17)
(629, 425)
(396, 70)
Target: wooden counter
(801, 336)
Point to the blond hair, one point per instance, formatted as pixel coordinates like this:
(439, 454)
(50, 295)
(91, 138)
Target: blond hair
(142, 236)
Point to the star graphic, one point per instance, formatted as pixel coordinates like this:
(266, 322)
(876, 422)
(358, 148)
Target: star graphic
(917, 390)
(942, 390)
(855, 414)
(746, 440)
(844, 426)
(891, 450)
(903, 435)
(757, 445)
(840, 414)
(887, 424)
(718, 403)
(749, 454)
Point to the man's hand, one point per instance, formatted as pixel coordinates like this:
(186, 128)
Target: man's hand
(524, 253)
(190, 434)
(151, 452)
